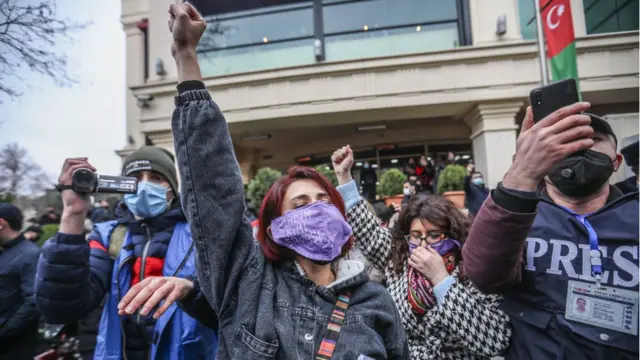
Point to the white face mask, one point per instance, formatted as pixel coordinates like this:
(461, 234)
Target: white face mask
(406, 191)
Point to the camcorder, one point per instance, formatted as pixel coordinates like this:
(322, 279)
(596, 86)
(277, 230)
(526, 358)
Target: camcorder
(85, 181)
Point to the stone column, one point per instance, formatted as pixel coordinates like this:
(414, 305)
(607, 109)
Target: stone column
(134, 76)
(247, 161)
(493, 136)
(577, 15)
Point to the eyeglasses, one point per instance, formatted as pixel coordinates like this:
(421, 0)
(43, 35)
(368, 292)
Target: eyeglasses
(417, 238)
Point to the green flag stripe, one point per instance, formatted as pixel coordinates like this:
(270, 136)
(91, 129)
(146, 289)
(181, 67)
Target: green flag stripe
(565, 65)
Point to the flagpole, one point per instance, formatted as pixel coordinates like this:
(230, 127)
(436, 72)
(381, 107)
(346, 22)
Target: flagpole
(541, 52)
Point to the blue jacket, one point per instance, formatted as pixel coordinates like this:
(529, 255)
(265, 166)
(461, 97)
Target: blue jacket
(66, 291)
(18, 314)
(557, 251)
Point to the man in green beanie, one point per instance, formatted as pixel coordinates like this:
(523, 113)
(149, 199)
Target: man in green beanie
(150, 238)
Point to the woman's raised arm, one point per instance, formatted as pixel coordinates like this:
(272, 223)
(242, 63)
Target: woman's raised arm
(212, 190)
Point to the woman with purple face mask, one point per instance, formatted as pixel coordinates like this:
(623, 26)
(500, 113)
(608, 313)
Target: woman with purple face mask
(444, 315)
(292, 295)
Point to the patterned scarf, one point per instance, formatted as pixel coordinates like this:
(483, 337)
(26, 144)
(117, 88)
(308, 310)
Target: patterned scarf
(420, 294)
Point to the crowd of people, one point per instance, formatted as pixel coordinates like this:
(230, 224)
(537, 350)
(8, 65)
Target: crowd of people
(545, 266)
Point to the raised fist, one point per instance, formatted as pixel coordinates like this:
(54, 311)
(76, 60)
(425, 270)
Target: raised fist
(342, 161)
(187, 26)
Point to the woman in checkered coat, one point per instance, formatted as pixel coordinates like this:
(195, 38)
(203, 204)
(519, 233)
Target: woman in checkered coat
(444, 315)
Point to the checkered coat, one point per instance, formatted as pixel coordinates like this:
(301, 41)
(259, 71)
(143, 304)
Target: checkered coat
(468, 325)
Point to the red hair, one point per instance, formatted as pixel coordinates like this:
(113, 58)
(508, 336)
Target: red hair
(272, 208)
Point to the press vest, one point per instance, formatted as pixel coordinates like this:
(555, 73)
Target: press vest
(557, 250)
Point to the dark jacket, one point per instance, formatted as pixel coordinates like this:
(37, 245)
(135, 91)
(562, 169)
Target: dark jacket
(368, 177)
(19, 318)
(71, 295)
(629, 185)
(474, 195)
(46, 220)
(101, 214)
(531, 256)
(265, 310)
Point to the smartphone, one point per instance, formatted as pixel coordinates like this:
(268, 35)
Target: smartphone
(549, 98)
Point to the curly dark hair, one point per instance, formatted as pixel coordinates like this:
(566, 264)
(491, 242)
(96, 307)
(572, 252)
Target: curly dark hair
(437, 210)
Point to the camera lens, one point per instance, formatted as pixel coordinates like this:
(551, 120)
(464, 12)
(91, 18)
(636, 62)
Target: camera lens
(538, 98)
(84, 179)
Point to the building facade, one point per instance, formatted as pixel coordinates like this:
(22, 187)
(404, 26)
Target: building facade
(392, 78)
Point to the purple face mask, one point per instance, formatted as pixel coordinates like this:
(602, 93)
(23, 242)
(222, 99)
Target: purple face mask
(316, 231)
(443, 246)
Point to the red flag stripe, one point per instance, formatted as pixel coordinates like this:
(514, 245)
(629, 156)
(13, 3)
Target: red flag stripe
(558, 25)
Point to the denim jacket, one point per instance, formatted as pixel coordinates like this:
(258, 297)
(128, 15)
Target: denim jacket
(265, 310)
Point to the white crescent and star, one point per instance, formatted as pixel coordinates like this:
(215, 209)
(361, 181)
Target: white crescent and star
(559, 10)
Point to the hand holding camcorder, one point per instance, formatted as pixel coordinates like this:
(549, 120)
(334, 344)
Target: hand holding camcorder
(81, 177)
(85, 181)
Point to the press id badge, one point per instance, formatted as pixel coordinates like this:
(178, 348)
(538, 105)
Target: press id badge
(602, 306)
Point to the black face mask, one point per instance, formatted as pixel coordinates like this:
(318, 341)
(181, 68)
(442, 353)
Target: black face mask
(582, 174)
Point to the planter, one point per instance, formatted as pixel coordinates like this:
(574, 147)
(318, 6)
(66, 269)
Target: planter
(456, 197)
(393, 200)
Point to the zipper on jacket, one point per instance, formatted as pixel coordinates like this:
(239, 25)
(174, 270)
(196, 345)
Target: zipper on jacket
(143, 261)
(122, 334)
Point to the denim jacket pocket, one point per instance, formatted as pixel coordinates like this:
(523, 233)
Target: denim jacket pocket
(251, 347)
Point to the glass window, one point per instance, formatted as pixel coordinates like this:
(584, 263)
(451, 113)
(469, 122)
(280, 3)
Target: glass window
(527, 14)
(390, 42)
(265, 38)
(253, 58)
(603, 16)
(248, 35)
(217, 7)
(373, 28)
(342, 17)
(263, 27)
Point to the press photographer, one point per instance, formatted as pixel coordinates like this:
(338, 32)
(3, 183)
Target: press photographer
(578, 240)
(150, 239)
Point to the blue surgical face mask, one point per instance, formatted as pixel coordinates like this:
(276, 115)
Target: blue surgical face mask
(150, 201)
(478, 181)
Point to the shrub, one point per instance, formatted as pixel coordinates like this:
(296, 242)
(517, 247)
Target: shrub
(328, 172)
(7, 197)
(48, 231)
(391, 183)
(451, 179)
(260, 184)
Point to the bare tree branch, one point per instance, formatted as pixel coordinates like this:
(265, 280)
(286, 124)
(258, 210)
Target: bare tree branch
(19, 175)
(28, 36)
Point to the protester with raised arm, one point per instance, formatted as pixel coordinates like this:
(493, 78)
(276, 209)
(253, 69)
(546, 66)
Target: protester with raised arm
(567, 261)
(291, 296)
(443, 315)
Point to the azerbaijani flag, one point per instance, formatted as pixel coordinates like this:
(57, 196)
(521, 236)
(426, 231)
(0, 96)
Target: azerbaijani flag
(561, 40)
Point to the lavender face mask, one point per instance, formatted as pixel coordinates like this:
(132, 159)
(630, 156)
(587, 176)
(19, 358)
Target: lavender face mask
(443, 246)
(316, 231)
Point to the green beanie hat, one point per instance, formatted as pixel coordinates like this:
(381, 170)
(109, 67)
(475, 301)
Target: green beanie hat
(151, 158)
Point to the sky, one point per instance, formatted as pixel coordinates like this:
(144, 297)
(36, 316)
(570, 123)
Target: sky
(54, 123)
